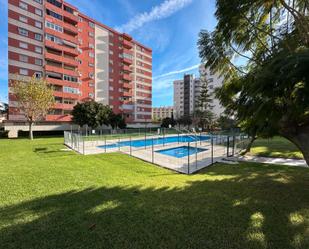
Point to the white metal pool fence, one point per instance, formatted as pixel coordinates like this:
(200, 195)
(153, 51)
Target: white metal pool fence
(185, 152)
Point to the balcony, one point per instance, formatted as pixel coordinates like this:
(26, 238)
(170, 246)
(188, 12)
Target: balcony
(126, 77)
(59, 118)
(66, 95)
(127, 94)
(60, 70)
(127, 44)
(127, 37)
(59, 82)
(60, 58)
(63, 106)
(63, 36)
(59, 47)
(127, 86)
(127, 61)
(126, 68)
(53, 8)
(70, 16)
(70, 27)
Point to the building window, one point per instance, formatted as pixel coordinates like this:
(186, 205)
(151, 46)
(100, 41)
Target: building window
(23, 32)
(38, 37)
(90, 95)
(38, 24)
(67, 89)
(56, 3)
(91, 45)
(23, 19)
(91, 24)
(38, 50)
(91, 54)
(38, 75)
(51, 13)
(53, 26)
(53, 38)
(91, 76)
(80, 19)
(91, 84)
(68, 9)
(23, 58)
(38, 12)
(23, 5)
(70, 78)
(38, 62)
(23, 71)
(23, 45)
(91, 34)
(38, 1)
(91, 64)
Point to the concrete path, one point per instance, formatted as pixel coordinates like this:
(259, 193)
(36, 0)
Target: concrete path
(270, 160)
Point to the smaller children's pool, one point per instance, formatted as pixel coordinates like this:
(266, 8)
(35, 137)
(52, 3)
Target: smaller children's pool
(180, 152)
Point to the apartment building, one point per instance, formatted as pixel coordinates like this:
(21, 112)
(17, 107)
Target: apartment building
(188, 90)
(159, 113)
(81, 58)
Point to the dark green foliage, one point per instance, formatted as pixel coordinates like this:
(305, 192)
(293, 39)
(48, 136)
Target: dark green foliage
(166, 122)
(269, 93)
(117, 121)
(93, 114)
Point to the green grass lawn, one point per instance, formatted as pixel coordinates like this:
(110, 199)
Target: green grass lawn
(275, 147)
(51, 198)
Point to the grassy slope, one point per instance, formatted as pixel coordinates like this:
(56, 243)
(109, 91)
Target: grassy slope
(51, 198)
(276, 147)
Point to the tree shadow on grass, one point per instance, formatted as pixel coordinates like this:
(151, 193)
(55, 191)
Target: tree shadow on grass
(262, 208)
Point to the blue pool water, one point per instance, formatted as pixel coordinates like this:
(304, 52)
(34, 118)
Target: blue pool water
(148, 142)
(181, 151)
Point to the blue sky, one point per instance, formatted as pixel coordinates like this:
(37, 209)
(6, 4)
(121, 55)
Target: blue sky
(169, 27)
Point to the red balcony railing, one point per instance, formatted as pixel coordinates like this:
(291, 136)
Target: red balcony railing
(59, 47)
(60, 70)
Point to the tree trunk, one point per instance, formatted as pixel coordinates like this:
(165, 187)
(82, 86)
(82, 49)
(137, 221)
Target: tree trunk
(299, 137)
(30, 130)
(248, 148)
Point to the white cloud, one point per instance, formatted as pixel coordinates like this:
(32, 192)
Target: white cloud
(165, 9)
(178, 71)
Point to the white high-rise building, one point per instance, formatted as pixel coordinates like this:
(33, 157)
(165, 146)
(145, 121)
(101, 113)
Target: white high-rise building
(188, 90)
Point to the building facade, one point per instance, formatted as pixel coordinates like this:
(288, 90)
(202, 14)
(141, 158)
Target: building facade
(81, 58)
(159, 113)
(188, 90)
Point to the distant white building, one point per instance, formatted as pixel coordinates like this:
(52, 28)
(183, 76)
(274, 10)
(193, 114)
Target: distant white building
(159, 113)
(188, 90)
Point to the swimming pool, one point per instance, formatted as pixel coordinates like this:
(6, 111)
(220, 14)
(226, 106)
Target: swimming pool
(181, 151)
(157, 141)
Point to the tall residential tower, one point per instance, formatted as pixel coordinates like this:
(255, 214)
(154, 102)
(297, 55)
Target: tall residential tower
(81, 58)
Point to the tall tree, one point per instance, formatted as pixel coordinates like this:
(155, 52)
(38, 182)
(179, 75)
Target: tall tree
(91, 113)
(34, 98)
(269, 92)
(203, 115)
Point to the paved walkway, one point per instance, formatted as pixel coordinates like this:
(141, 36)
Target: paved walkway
(270, 160)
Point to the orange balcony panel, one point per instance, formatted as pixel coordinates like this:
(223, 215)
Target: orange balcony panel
(59, 118)
(60, 70)
(127, 111)
(127, 44)
(127, 94)
(127, 51)
(127, 61)
(59, 58)
(126, 68)
(70, 16)
(70, 27)
(126, 77)
(59, 47)
(127, 37)
(63, 36)
(58, 82)
(126, 85)
(66, 95)
(53, 8)
(63, 106)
